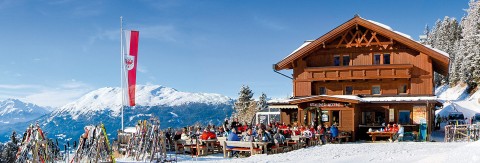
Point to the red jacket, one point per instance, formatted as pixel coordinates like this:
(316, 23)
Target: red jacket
(208, 135)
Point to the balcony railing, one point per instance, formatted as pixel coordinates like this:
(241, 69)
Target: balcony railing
(392, 71)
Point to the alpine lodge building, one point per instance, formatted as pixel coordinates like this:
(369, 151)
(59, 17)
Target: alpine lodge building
(362, 75)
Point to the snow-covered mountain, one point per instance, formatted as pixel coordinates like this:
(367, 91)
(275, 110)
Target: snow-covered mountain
(174, 109)
(14, 111)
(109, 99)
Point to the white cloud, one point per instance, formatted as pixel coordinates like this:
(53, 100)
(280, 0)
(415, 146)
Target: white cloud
(19, 86)
(55, 96)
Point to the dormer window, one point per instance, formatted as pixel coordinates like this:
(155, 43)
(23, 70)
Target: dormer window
(346, 60)
(376, 59)
(336, 60)
(386, 59)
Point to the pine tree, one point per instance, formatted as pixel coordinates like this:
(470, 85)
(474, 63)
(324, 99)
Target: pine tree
(469, 44)
(262, 102)
(245, 106)
(244, 99)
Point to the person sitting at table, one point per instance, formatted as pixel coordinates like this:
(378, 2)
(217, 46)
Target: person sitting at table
(184, 135)
(313, 130)
(207, 134)
(308, 135)
(248, 137)
(226, 133)
(178, 135)
(388, 128)
(265, 136)
(232, 136)
(220, 132)
(322, 132)
(333, 132)
(279, 138)
(395, 128)
(287, 132)
(399, 134)
(198, 132)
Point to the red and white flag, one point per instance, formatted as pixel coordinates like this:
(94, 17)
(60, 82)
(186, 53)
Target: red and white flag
(130, 64)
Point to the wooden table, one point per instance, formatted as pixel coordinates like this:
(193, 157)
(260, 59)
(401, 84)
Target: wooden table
(262, 145)
(210, 144)
(374, 135)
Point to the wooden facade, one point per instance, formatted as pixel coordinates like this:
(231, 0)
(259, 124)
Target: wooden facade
(362, 74)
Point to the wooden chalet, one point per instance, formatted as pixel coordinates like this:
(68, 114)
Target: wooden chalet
(360, 75)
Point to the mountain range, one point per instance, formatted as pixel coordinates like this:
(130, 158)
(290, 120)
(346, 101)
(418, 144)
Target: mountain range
(172, 107)
(15, 111)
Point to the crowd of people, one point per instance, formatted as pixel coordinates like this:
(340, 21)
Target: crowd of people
(273, 133)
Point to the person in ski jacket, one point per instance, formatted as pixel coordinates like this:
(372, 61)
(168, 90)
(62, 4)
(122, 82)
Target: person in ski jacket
(207, 134)
(334, 131)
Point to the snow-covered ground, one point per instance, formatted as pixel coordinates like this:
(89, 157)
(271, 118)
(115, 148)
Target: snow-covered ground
(365, 152)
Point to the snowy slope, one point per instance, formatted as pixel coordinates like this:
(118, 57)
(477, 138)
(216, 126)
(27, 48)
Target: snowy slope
(457, 99)
(146, 95)
(14, 111)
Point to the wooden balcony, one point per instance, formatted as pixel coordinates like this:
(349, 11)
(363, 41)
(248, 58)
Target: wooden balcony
(363, 72)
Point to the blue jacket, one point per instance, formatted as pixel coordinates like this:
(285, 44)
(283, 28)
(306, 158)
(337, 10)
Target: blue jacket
(232, 137)
(334, 131)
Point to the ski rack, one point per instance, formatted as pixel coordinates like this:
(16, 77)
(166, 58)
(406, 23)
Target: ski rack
(35, 147)
(146, 143)
(94, 146)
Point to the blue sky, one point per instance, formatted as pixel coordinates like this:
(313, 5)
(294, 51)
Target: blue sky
(54, 51)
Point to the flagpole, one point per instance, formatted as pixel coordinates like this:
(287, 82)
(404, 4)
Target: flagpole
(122, 66)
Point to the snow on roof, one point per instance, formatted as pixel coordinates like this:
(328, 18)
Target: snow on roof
(381, 25)
(305, 43)
(130, 129)
(404, 35)
(407, 36)
(398, 99)
(279, 101)
(439, 51)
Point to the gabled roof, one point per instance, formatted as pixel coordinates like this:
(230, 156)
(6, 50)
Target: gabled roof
(440, 59)
(357, 99)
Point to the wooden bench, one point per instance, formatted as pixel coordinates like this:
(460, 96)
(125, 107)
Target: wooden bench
(239, 146)
(180, 146)
(196, 147)
(374, 135)
(339, 138)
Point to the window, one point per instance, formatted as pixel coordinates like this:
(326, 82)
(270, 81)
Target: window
(402, 89)
(386, 58)
(376, 59)
(336, 60)
(404, 117)
(375, 90)
(336, 117)
(346, 60)
(348, 90)
(293, 117)
(323, 91)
